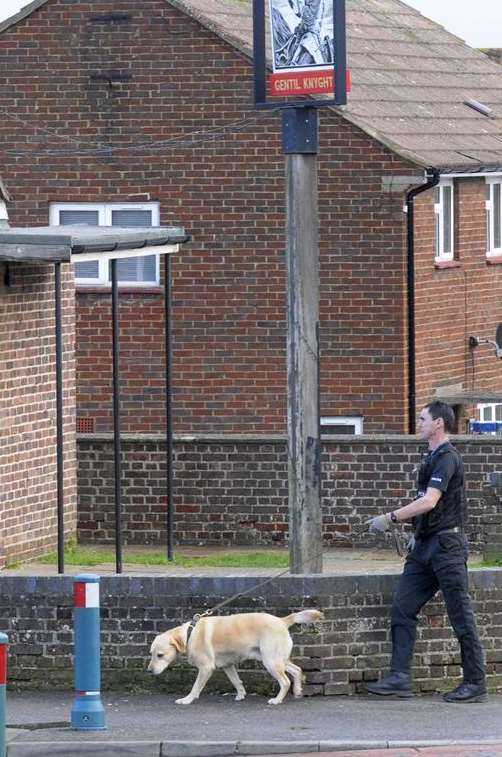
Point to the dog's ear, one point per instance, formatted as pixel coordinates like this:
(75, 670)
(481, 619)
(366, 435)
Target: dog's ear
(178, 643)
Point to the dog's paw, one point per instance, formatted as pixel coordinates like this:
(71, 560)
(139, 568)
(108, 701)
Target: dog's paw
(274, 700)
(297, 694)
(240, 697)
(185, 700)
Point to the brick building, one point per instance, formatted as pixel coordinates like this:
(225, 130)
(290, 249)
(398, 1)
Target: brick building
(37, 370)
(141, 113)
(28, 495)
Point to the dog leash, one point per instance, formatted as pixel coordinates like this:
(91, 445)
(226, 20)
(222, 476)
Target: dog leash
(199, 616)
(212, 610)
(398, 544)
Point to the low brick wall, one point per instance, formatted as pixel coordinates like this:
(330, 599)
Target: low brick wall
(492, 521)
(350, 647)
(233, 490)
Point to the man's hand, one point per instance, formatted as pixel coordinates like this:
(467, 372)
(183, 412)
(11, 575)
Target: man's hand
(380, 524)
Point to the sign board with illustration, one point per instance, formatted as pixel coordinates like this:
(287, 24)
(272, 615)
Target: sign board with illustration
(307, 40)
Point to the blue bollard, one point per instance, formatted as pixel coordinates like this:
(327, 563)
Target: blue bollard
(3, 686)
(87, 712)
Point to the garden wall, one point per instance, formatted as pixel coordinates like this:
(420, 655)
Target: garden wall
(233, 490)
(350, 647)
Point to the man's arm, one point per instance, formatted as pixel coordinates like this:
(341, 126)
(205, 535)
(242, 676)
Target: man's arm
(417, 507)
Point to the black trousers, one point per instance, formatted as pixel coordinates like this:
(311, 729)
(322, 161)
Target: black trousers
(438, 562)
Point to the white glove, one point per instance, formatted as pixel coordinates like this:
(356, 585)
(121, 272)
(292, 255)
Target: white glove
(380, 524)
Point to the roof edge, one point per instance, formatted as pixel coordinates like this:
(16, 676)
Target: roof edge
(21, 14)
(459, 172)
(182, 6)
(410, 157)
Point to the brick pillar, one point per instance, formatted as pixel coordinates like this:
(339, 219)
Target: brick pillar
(491, 519)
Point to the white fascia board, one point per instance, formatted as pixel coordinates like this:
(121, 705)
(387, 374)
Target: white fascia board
(137, 252)
(470, 175)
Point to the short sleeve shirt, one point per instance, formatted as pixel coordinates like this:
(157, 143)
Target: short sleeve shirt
(442, 469)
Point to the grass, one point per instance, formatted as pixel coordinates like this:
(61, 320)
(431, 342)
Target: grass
(496, 563)
(12, 564)
(89, 557)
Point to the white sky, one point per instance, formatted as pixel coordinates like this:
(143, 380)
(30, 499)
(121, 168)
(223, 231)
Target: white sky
(479, 22)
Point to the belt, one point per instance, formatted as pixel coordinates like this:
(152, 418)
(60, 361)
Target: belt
(454, 530)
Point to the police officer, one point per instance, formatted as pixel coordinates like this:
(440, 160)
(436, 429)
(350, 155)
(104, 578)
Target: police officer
(437, 560)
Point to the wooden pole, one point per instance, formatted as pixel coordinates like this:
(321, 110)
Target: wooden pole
(304, 445)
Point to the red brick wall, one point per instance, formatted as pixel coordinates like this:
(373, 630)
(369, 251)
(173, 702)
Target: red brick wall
(227, 188)
(454, 303)
(28, 499)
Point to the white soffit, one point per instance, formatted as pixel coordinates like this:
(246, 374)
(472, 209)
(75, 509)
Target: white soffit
(137, 252)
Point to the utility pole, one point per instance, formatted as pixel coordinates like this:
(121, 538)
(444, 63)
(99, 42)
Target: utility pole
(300, 140)
(299, 70)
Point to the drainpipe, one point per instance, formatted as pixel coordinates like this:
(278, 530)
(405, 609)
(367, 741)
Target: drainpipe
(432, 176)
(5, 277)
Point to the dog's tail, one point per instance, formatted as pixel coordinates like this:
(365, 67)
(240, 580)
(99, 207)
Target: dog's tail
(304, 616)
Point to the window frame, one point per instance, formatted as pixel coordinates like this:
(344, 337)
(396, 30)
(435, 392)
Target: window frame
(440, 256)
(482, 406)
(356, 421)
(491, 250)
(105, 211)
(492, 406)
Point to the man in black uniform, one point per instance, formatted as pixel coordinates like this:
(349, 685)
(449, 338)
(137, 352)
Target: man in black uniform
(437, 560)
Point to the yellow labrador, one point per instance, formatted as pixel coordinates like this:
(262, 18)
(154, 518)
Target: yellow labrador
(220, 642)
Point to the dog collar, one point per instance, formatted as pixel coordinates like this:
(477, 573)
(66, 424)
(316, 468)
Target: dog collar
(190, 628)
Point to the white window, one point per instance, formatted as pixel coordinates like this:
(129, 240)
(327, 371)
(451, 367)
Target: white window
(489, 413)
(490, 419)
(342, 425)
(443, 209)
(141, 271)
(494, 216)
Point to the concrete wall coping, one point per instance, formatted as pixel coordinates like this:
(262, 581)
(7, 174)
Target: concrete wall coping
(222, 586)
(480, 439)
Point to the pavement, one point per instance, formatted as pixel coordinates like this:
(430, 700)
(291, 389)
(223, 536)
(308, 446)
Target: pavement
(152, 725)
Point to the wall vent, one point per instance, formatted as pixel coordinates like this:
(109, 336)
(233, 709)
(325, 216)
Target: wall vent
(479, 107)
(85, 425)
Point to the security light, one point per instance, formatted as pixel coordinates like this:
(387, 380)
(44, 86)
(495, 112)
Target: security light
(475, 341)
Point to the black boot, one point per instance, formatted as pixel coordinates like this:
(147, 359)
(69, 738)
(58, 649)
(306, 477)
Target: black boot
(394, 684)
(467, 692)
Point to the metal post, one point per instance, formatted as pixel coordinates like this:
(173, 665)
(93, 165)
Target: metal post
(340, 42)
(169, 414)
(87, 712)
(300, 140)
(59, 417)
(116, 418)
(433, 177)
(3, 689)
(260, 68)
